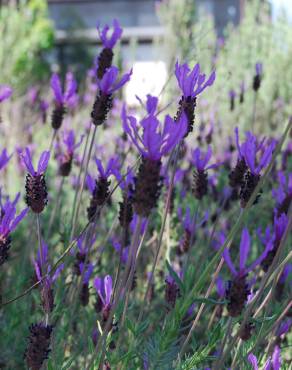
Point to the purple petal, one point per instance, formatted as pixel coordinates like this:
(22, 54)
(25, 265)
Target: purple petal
(276, 359)
(5, 92)
(228, 261)
(56, 87)
(18, 219)
(253, 360)
(125, 78)
(28, 162)
(108, 287)
(71, 86)
(43, 161)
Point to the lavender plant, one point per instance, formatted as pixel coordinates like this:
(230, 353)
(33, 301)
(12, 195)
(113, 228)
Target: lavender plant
(132, 262)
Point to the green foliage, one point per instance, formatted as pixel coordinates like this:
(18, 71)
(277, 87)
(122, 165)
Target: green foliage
(26, 34)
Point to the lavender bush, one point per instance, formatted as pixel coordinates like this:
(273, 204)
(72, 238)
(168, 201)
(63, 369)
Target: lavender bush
(149, 237)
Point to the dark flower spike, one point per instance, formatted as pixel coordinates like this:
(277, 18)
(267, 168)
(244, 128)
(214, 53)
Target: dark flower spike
(36, 190)
(65, 157)
(8, 223)
(252, 176)
(86, 271)
(107, 85)
(39, 345)
(232, 96)
(258, 76)
(4, 158)
(43, 268)
(238, 290)
(61, 98)
(191, 83)
(104, 289)
(5, 92)
(236, 176)
(200, 160)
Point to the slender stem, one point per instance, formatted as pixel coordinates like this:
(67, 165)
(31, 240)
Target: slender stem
(121, 290)
(217, 365)
(53, 139)
(56, 206)
(254, 109)
(263, 284)
(169, 194)
(40, 239)
(198, 316)
(79, 197)
(79, 175)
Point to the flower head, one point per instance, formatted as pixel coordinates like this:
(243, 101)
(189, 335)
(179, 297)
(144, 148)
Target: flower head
(155, 141)
(5, 92)
(109, 42)
(191, 82)
(61, 98)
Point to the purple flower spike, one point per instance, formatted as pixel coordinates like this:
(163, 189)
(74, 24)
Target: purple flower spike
(111, 168)
(4, 158)
(71, 87)
(5, 92)
(154, 143)
(109, 84)
(190, 82)
(42, 164)
(109, 42)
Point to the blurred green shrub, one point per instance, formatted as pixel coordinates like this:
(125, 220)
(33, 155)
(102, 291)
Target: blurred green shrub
(257, 38)
(26, 34)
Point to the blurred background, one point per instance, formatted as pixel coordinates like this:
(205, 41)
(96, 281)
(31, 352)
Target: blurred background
(38, 37)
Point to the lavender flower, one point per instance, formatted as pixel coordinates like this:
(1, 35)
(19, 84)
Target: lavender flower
(100, 188)
(4, 158)
(83, 245)
(61, 98)
(39, 345)
(191, 83)
(8, 223)
(36, 189)
(104, 289)
(106, 56)
(65, 157)
(200, 160)
(232, 96)
(258, 77)
(42, 271)
(252, 176)
(107, 86)
(154, 143)
(5, 92)
(190, 226)
(236, 176)
(238, 289)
